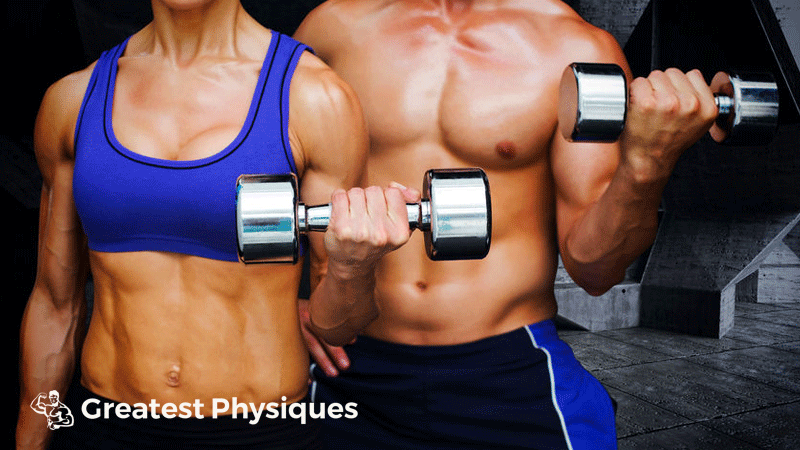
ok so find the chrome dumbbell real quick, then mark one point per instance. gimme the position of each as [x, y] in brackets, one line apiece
[594, 101]
[455, 215]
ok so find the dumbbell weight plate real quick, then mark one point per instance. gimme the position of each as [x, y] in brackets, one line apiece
[593, 102]
[266, 208]
[753, 118]
[460, 214]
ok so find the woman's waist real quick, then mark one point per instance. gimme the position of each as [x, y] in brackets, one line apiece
[195, 378]
[184, 350]
[163, 274]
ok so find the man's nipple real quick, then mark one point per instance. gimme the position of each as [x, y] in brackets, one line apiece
[506, 150]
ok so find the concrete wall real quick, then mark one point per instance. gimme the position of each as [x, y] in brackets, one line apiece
[618, 17]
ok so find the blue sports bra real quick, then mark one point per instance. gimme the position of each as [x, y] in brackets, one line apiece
[131, 202]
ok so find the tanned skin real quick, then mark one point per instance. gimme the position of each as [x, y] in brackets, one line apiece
[475, 83]
[178, 328]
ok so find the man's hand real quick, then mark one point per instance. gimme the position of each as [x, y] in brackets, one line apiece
[669, 112]
[330, 359]
[365, 225]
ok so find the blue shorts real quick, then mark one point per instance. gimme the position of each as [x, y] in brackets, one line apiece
[521, 389]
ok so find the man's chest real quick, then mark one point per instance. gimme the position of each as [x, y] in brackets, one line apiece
[482, 90]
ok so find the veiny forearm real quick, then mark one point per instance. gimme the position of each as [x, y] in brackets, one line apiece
[616, 229]
[341, 306]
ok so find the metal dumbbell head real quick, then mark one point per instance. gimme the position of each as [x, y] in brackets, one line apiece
[267, 226]
[455, 215]
[593, 105]
[748, 108]
[460, 214]
[593, 102]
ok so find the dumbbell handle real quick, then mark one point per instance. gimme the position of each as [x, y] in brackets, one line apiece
[316, 218]
[724, 104]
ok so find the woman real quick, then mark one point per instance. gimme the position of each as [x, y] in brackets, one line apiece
[139, 154]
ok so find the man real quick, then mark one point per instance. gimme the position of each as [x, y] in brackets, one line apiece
[464, 354]
[140, 153]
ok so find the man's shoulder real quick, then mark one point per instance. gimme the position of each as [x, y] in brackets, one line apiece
[351, 8]
[336, 23]
[566, 32]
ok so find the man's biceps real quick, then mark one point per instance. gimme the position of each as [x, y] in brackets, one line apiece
[583, 185]
[570, 194]
[567, 213]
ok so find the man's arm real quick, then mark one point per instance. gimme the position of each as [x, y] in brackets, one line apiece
[52, 325]
[607, 195]
[365, 224]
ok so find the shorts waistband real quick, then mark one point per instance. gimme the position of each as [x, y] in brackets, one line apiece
[509, 339]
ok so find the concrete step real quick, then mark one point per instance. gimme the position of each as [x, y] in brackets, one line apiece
[779, 276]
[617, 308]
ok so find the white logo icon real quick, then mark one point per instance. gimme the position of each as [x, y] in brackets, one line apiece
[57, 413]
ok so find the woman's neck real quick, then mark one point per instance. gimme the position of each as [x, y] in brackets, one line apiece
[183, 32]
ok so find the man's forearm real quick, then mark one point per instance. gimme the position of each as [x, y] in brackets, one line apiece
[616, 229]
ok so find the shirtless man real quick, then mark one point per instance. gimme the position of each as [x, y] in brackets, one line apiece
[464, 354]
[140, 153]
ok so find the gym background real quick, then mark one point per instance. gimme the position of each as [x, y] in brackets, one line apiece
[728, 240]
